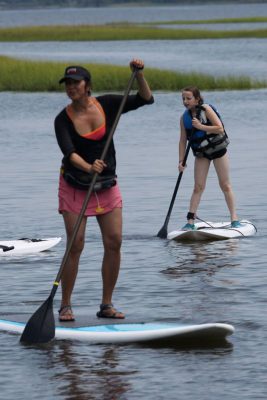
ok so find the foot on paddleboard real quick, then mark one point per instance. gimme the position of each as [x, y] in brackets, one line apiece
[108, 311]
[66, 314]
[236, 224]
[189, 227]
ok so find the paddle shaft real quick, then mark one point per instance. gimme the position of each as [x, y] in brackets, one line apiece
[163, 231]
[91, 187]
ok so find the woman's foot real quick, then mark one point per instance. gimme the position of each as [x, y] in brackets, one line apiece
[66, 314]
[109, 311]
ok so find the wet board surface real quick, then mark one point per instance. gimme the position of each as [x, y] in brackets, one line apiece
[107, 330]
[214, 231]
[21, 247]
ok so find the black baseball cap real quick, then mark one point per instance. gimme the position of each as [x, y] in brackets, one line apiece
[77, 73]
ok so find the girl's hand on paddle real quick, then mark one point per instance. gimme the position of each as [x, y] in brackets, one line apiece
[196, 123]
[181, 168]
[98, 166]
[137, 64]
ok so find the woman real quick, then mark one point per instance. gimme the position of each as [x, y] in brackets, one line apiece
[82, 129]
[201, 125]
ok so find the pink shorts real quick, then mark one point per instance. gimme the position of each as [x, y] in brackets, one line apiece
[102, 202]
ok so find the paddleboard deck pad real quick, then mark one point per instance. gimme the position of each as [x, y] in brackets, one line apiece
[108, 330]
[213, 231]
[26, 246]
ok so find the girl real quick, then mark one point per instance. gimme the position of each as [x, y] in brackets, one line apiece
[199, 124]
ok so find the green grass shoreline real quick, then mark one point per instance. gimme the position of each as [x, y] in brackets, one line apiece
[250, 20]
[35, 76]
[132, 31]
[117, 32]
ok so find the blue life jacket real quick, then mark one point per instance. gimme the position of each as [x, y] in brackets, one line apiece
[211, 145]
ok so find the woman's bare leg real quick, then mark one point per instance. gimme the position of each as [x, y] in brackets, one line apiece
[71, 267]
[111, 229]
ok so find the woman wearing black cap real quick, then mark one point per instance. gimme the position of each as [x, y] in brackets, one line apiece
[82, 129]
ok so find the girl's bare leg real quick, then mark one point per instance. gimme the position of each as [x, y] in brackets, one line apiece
[222, 168]
[201, 170]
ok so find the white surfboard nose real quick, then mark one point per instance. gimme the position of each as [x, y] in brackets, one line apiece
[21, 247]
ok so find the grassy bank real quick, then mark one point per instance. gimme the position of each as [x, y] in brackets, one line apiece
[117, 32]
[248, 20]
[33, 76]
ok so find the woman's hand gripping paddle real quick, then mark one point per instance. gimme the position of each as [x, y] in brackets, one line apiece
[163, 231]
[41, 326]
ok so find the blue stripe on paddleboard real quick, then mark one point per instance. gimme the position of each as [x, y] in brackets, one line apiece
[5, 321]
[122, 327]
[108, 328]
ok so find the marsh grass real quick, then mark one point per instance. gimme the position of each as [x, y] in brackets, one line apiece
[211, 21]
[117, 32]
[35, 76]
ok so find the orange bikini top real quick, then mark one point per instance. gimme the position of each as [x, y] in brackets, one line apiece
[99, 132]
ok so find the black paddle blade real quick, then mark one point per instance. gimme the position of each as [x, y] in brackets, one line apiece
[162, 234]
[41, 326]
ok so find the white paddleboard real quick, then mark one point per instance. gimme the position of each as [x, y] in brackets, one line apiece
[110, 331]
[22, 247]
[214, 231]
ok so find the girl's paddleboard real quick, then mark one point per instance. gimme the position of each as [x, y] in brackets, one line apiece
[23, 247]
[214, 231]
[110, 331]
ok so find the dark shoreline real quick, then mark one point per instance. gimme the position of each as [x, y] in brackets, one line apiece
[46, 4]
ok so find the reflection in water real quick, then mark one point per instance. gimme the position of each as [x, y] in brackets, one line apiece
[88, 375]
[208, 257]
[83, 372]
[219, 347]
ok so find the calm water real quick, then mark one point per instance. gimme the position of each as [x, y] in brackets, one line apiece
[209, 282]
[101, 15]
[206, 56]
[218, 281]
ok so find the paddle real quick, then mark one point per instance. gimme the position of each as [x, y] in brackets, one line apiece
[163, 231]
[41, 326]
